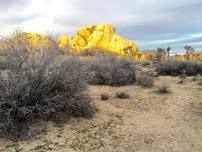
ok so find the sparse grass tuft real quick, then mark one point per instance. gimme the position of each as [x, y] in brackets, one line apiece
[122, 95]
[104, 96]
[197, 77]
[163, 88]
[183, 75]
[181, 81]
[200, 81]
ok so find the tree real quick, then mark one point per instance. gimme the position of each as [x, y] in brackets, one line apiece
[189, 51]
[168, 51]
[160, 53]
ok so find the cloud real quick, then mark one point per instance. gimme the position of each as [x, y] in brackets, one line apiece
[7, 4]
[153, 23]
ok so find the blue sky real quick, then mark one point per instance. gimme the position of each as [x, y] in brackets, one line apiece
[150, 23]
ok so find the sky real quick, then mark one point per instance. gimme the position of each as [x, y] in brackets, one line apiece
[150, 23]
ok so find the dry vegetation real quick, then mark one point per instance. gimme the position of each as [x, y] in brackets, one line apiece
[122, 95]
[176, 68]
[104, 96]
[35, 86]
[145, 80]
[109, 70]
[40, 90]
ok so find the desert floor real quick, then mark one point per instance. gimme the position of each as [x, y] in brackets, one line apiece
[147, 122]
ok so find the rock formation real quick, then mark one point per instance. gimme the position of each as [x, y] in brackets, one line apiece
[101, 37]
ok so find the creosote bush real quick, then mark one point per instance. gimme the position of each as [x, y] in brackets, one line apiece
[36, 86]
[122, 95]
[109, 70]
[178, 68]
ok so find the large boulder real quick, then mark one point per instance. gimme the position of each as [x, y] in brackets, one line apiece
[102, 37]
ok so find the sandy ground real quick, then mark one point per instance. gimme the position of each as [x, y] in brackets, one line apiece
[147, 122]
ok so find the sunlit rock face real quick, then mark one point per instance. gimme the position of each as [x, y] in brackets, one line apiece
[65, 41]
[27, 42]
[102, 37]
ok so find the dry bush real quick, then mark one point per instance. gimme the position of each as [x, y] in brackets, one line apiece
[146, 64]
[163, 88]
[122, 95]
[37, 86]
[200, 82]
[183, 75]
[104, 96]
[92, 52]
[176, 68]
[145, 80]
[110, 70]
[199, 79]
[181, 81]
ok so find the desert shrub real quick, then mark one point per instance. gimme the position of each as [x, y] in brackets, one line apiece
[181, 81]
[122, 95]
[104, 96]
[110, 70]
[197, 77]
[93, 52]
[86, 53]
[194, 78]
[183, 74]
[145, 63]
[163, 88]
[145, 80]
[37, 86]
[199, 80]
[154, 74]
[175, 68]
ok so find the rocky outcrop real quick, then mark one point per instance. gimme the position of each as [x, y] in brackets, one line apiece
[102, 37]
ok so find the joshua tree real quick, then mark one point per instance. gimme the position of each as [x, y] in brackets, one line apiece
[189, 51]
[160, 53]
[168, 51]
